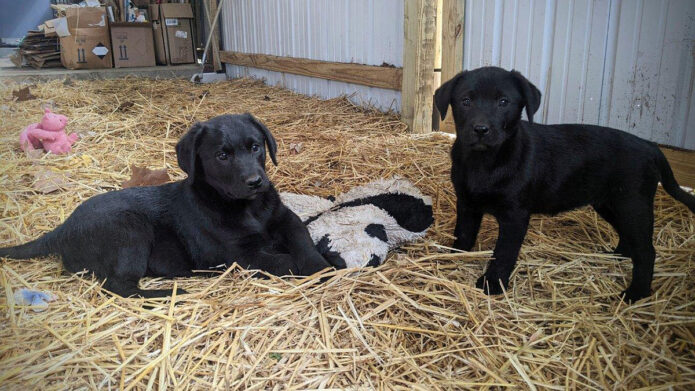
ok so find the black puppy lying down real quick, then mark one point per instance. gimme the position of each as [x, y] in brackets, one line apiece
[511, 168]
[225, 211]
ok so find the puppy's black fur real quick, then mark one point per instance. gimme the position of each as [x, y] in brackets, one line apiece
[225, 211]
[511, 168]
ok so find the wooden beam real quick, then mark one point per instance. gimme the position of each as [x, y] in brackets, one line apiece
[419, 28]
[452, 48]
[368, 75]
[682, 164]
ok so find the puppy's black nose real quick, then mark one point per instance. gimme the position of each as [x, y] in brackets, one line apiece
[254, 182]
[481, 130]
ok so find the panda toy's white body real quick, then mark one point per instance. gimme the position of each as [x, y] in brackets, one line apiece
[359, 227]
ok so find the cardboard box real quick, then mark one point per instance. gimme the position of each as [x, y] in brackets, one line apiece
[153, 12]
[176, 21]
[48, 27]
[160, 52]
[133, 45]
[85, 43]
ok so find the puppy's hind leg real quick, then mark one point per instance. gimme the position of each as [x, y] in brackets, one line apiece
[607, 214]
[636, 219]
[129, 266]
[129, 288]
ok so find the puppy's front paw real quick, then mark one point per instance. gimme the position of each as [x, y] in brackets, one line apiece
[631, 294]
[284, 267]
[491, 285]
[461, 244]
[315, 264]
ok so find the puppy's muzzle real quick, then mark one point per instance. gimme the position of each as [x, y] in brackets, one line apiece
[481, 130]
[254, 182]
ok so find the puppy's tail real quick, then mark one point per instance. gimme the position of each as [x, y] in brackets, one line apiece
[671, 186]
[36, 248]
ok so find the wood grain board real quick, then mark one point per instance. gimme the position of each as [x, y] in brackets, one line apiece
[368, 75]
[419, 27]
[682, 164]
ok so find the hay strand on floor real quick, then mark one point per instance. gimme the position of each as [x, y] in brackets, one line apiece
[417, 322]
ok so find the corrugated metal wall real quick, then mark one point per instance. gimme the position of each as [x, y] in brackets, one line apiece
[626, 64]
[361, 31]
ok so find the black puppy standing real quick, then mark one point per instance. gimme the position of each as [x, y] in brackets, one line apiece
[225, 211]
[511, 168]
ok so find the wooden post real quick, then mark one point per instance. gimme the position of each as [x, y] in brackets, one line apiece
[418, 64]
[214, 51]
[452, 48]
[438, 46]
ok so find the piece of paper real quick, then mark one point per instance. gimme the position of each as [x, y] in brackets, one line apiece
[37, 300]
[61, 27]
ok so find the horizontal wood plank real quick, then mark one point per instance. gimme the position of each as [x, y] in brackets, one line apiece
[368, 75]
[682, 164]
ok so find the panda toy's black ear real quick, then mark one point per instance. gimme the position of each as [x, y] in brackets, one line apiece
[377, 231]
[323, 246]
[411, 213]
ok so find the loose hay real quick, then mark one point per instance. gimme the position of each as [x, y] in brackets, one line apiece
[414, 323]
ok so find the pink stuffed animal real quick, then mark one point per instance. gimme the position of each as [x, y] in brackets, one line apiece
[48, 134]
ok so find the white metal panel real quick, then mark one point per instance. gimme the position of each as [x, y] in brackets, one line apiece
[360, 31]
[653, 70]
[621, 63]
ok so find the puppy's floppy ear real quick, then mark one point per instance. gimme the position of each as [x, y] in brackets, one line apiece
[442, 97]
[269, 139]
[531, 94]
[187, 148]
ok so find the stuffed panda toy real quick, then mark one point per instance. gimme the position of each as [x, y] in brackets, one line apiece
[358, 228]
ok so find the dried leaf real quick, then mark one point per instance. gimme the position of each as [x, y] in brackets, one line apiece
[296, 148]
[125, 106]
[23, 94]
[46, 181]
[143, 176]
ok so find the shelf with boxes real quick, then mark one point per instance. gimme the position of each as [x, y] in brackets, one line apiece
[120, 34]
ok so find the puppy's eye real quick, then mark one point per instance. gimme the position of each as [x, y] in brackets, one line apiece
[221, 155]
[255, 148]
[503, 102]
[466, 101]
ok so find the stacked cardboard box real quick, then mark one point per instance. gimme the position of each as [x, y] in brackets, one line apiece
[91, 37]
[172, 24]
[84, 39]
[38, 50]
[133, 45]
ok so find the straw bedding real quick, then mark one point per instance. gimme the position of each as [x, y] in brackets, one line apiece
[414, 323]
